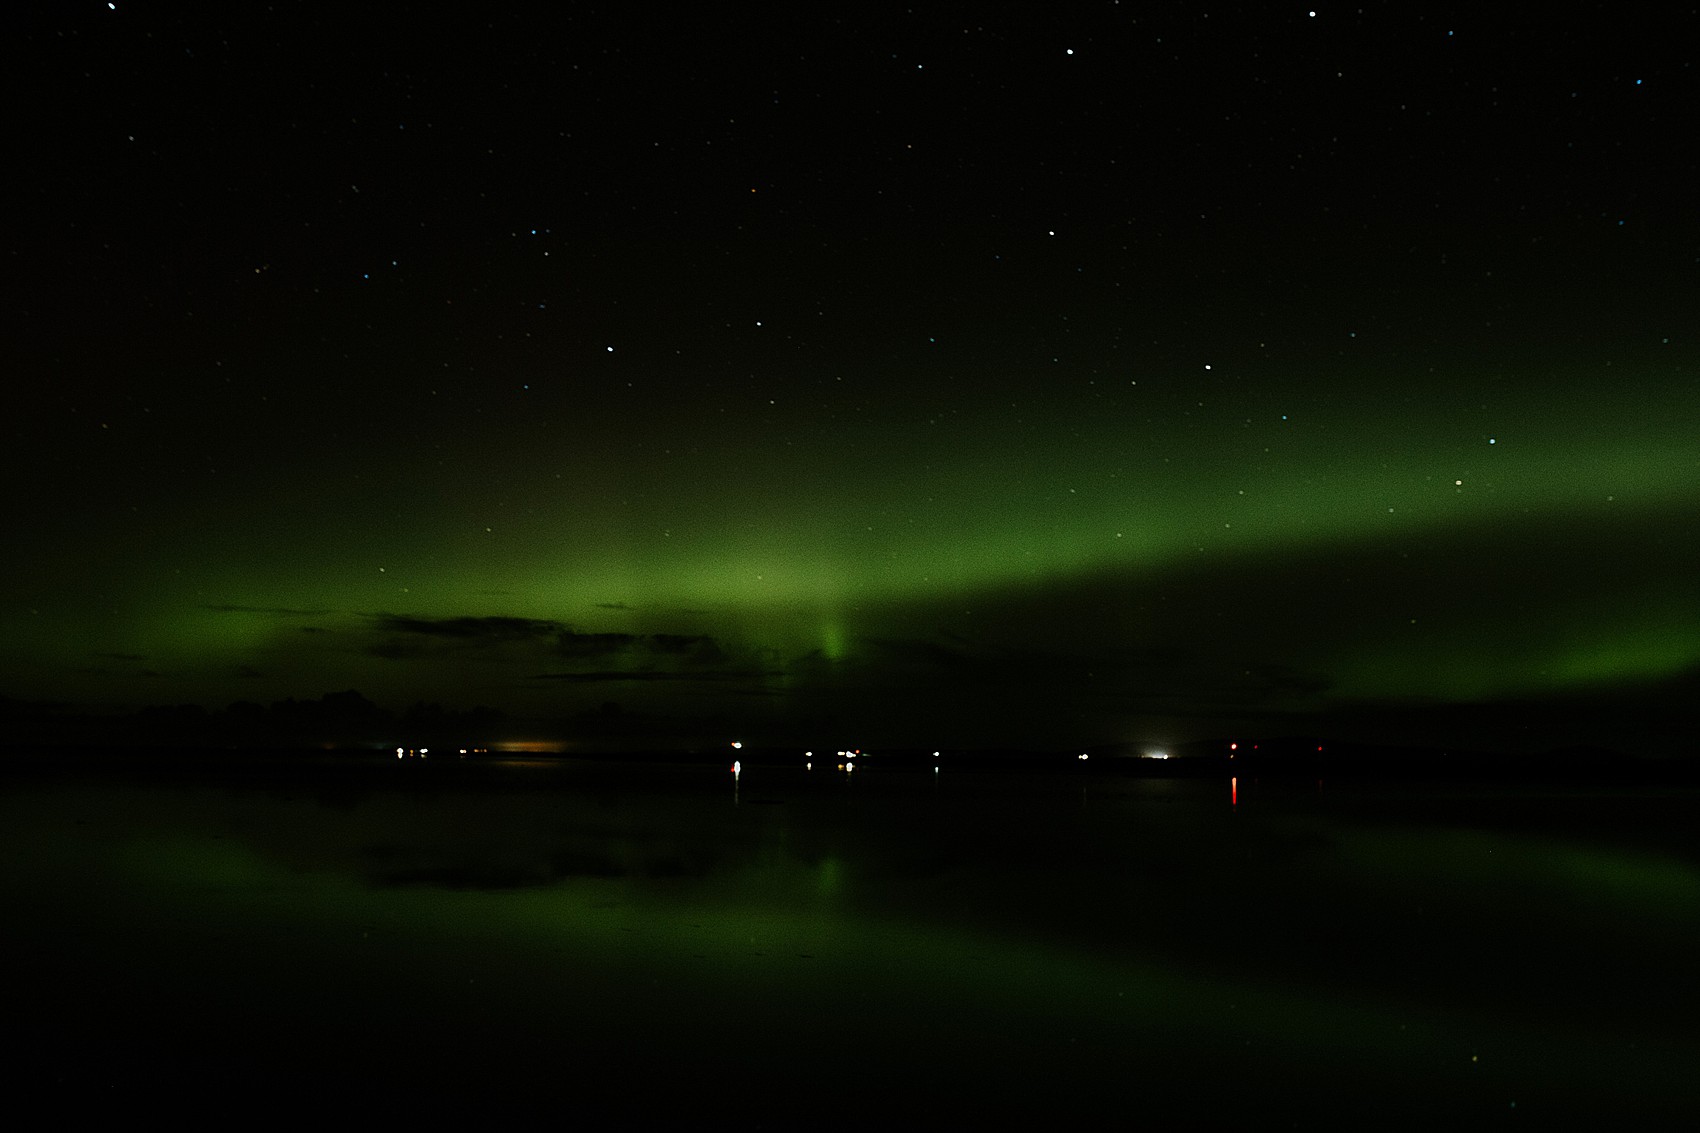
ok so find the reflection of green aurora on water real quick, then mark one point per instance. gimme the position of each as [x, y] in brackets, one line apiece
[545, 933]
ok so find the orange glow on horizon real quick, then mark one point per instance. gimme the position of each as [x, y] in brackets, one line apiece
[527, 747]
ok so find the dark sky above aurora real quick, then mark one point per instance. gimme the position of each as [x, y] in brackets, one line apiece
[966, 374]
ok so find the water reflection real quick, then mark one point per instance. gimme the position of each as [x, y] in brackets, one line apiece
[969, 924]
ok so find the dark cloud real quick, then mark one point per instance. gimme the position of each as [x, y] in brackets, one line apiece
[410, 638]
[667, 648]
[482, 629]
[413, 638]
[579, 646]
[122, 656]
[397, 649]
[586, 658]
[693, 649]
[653, 675]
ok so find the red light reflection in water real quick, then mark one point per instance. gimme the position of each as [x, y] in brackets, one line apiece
[1234, 790]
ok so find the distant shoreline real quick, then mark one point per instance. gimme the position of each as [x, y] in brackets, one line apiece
[1279, 759]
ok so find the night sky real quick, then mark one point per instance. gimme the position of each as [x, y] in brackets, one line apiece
[968, 374]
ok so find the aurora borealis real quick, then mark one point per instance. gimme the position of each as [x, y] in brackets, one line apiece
[921, 376]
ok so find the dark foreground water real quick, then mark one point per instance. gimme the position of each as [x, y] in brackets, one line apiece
[569, 941]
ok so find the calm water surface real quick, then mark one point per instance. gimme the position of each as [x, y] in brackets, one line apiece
[581, 939]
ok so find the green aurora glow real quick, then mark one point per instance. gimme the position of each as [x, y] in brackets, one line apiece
[1451, 563]
[1031, 402]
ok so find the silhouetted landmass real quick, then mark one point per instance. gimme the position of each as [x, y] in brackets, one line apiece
[347, 721]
